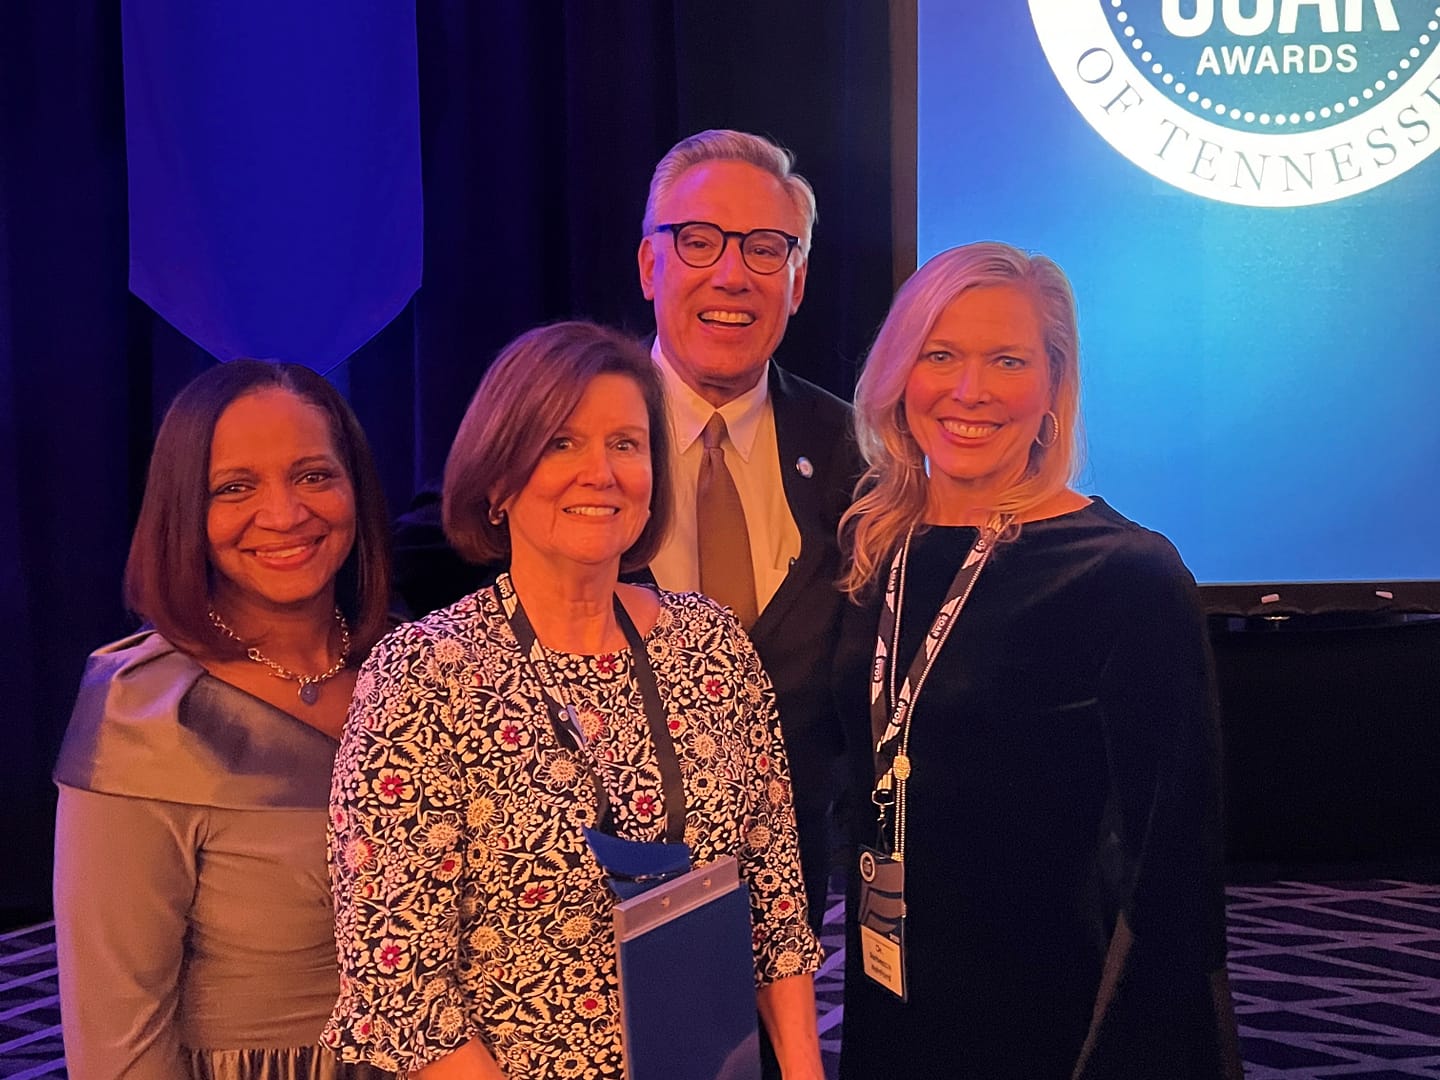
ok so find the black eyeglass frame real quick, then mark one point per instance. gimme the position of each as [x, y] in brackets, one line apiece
[674, 228]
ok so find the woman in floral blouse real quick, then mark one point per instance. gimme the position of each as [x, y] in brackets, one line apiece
[473, 923]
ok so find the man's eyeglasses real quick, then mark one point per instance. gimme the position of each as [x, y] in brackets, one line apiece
[700, 244]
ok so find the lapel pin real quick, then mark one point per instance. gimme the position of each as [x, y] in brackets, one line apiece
[804, 468]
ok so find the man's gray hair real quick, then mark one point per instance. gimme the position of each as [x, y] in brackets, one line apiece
[722, 144]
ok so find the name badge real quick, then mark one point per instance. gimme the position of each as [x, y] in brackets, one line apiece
[882, 920]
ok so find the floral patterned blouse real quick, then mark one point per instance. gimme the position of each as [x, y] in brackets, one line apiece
[467, 902]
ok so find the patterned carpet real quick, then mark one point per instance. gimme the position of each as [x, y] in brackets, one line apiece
[1330, 980]
[1337, 980]
[30, 1004]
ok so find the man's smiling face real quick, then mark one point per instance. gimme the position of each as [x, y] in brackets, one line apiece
[719, 325]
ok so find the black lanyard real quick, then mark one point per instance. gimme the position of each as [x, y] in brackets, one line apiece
[890, 713]
[566, 723]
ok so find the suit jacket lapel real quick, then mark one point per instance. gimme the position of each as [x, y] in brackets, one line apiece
[797, 445]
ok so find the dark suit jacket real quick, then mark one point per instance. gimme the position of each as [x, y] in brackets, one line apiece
[797, 632]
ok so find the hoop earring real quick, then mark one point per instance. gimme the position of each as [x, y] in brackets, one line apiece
[1045, 444]
[497, 516]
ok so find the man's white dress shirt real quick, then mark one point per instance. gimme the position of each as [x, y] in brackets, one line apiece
[752, 456]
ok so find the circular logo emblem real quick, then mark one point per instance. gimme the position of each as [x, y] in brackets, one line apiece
[1256, 102]
[867, 866]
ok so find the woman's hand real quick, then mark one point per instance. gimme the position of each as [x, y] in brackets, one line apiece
[787, 1007]
[470, 1062]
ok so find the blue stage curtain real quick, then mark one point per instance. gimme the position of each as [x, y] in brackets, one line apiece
[274, 171]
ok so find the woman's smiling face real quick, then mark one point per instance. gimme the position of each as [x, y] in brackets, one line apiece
[588, 498]
[281, 517]
[977, 395]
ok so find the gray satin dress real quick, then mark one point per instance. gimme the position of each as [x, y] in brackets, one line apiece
[192, 902]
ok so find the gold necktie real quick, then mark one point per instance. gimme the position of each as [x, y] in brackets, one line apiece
[726, 573]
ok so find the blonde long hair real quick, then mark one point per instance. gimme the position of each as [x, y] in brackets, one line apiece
[890, 497]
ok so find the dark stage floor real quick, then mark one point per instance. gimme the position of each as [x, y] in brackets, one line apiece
[1330, 980]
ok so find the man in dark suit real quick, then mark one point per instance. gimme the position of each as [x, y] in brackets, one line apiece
[724, 257]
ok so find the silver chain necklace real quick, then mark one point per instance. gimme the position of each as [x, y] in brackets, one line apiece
[309, 684]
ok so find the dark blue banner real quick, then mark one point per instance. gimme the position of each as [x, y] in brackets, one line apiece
[274, 168]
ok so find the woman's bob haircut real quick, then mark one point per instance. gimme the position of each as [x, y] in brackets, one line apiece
[168, 574]
[523, 400]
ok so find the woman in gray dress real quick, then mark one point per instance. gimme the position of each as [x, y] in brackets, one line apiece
[192, 903]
